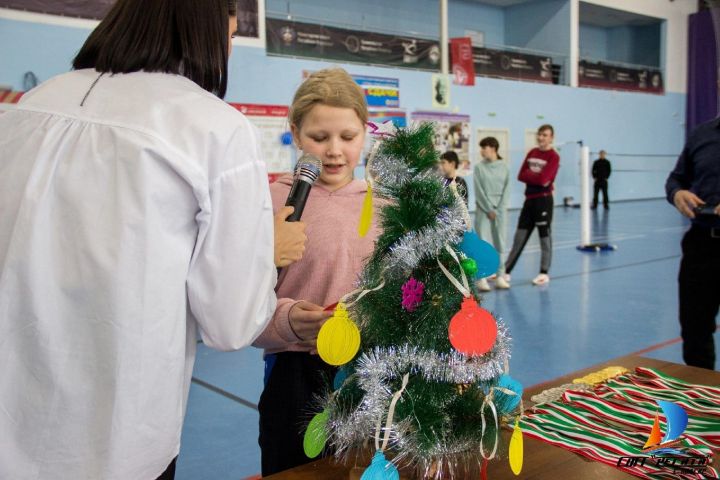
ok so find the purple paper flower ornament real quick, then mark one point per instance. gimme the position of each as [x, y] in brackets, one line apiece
[412, 293]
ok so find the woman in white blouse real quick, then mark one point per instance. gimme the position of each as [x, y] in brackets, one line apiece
[134, 212]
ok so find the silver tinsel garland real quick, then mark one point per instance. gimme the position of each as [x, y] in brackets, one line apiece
[390, 174]
[374, 371]
[413, 247]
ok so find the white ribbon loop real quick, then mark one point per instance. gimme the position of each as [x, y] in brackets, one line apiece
[391, 413]
[463, 288]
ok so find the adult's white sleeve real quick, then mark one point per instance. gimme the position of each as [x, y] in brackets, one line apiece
[232, 273]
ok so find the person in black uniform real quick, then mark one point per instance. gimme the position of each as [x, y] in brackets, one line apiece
[694, 190]
[601, 172]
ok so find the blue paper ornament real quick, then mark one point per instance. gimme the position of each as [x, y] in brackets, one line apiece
[340, 378]
[485, 256]
[286, 138]
[380, 469]
[509, 383]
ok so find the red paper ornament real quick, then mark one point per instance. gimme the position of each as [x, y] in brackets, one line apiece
[473, 329]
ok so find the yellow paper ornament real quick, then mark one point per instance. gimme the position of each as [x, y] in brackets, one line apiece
[339, 338]
[366, 215]
[516, 449]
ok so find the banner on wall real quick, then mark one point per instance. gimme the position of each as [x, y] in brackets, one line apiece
[297, 39]
[461, 54]
[92, 9]
[512, 65]
[97, 9]
[452, 132]
[611, 77]
[271, 122]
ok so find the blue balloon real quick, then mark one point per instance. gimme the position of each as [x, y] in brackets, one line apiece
[380, 469]
[340, 378]
[509, 383]
[286, 138]
[484, 254]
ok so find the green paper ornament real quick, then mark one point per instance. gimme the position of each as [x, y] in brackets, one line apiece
[315, 435]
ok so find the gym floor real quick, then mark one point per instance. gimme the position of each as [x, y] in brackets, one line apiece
[597, 306]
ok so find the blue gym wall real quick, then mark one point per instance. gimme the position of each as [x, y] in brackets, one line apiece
[621, 123]
[539, 25]
[639, 45]
[593, 42]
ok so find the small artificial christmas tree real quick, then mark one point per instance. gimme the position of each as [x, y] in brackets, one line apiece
[428, 383]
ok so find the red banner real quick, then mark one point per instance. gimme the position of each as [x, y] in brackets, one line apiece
[461, 55]
[7, 96]
[254, 110]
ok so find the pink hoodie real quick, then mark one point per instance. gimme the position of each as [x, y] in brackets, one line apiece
[333, 259]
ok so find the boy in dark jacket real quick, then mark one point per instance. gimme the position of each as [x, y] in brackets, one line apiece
[449, 163]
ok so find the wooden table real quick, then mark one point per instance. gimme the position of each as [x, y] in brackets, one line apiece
[541, 460]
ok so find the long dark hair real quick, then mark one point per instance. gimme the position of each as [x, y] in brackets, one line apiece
[492, 143]
[185, 37]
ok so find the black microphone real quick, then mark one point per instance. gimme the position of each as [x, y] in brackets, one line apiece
[307, 171]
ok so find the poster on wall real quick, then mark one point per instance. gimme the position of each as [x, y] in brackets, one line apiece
[379, 91]
[611, 77]
[378, 116]
[248, 19]
[271, 122]
[452, 132]
[381, 115]
[440, 91]
[502, 135]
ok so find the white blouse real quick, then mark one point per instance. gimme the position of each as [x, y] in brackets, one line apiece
[127, 224]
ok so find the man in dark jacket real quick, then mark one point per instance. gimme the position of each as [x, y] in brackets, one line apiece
[601, 172]
[694, 190]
